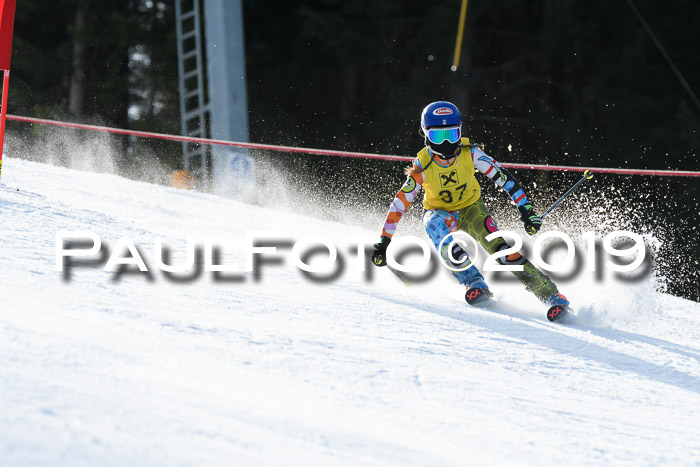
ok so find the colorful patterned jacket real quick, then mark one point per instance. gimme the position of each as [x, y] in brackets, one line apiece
[450, 185]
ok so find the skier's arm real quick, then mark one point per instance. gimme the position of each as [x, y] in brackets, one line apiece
[403, 199]
[501, 176]
[505, 180]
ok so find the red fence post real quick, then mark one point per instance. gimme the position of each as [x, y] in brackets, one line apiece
[7, 22]
[3, 112]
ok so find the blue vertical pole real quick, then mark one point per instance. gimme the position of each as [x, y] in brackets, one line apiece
[228, 101]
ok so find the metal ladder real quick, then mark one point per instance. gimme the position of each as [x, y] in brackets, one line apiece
[194, 105]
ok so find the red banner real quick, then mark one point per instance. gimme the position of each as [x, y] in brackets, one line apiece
[7, 22]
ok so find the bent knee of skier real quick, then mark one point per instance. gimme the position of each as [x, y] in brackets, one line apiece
[510, 259]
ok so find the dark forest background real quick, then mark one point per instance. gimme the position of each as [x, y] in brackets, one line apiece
[569, 82]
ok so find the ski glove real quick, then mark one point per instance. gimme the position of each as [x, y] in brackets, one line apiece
[532, 221]
[379, 254]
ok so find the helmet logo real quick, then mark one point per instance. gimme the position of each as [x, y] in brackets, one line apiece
[443, 111]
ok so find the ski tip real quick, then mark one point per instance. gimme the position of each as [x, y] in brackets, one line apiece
[477, 295]
[556, 312]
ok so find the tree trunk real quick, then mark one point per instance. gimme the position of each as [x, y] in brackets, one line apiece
[76, 96]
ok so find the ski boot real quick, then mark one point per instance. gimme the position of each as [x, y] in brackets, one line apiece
[477, 291]
[558, 306]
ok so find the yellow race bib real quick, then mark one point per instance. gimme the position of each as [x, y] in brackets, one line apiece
[453, 187]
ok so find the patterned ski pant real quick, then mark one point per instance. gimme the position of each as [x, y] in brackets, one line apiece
[476, 220]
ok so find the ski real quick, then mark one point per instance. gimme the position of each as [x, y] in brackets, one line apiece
[477, 295]
[556, 312]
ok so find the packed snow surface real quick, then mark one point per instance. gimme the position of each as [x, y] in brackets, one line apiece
[98, 368]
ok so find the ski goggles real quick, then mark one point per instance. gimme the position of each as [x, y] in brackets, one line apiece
[439, 134]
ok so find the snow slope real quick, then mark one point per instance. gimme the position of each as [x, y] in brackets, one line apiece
[104, 369]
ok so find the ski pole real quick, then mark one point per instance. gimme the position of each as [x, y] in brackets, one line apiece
[587, 175]
[406, 281]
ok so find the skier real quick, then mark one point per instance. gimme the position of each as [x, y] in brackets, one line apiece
[445, 169]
